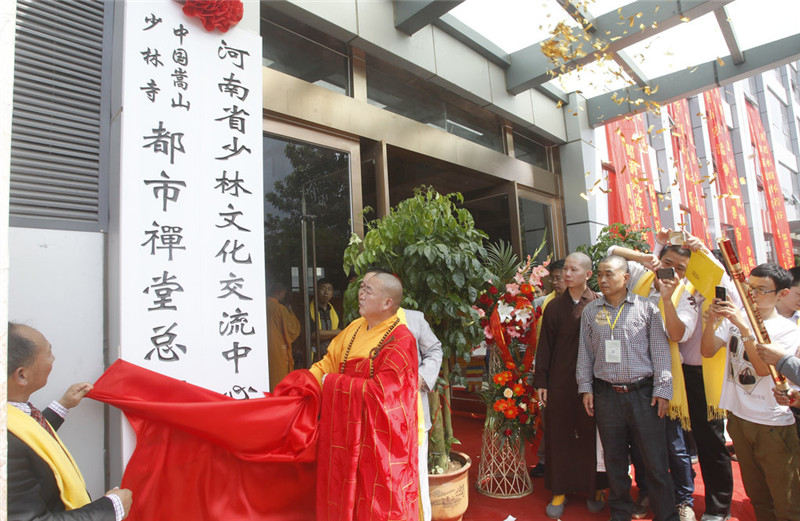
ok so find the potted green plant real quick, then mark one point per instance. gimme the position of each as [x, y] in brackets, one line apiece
[616, 234]
[435, 249]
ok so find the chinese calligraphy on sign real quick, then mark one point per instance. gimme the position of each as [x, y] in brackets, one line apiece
[191, 253]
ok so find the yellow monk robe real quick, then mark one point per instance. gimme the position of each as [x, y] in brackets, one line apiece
[53, 451]
[283, 328]
[704, 275]
[368, 442]
[679, 405]
[334, 317]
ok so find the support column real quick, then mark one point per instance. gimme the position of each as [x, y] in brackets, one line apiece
[581, 167]
[666, 173]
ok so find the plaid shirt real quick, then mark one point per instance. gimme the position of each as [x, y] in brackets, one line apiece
[644, 345]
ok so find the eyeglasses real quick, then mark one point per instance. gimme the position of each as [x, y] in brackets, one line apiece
[761, 291]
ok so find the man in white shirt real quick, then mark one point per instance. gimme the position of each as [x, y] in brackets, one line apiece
[762, 431]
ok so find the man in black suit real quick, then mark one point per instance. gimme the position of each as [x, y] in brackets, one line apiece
[35, 453]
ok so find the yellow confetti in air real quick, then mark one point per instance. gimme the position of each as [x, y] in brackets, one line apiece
[584, 196]
[605, 191]
[685, 19]
[721, 62]
[559, 104]
[742, 181]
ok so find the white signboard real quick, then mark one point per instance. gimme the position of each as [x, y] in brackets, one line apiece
[193, 302]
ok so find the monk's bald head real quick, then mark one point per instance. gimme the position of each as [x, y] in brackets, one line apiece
[580, 259]
[392, 288]
[379, 297]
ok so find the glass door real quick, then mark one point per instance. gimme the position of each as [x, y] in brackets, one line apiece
[308, 211]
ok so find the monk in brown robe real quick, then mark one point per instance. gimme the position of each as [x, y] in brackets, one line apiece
[569, 433]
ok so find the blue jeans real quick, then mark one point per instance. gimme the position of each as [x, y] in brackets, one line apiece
[623, 416]
[680, 465]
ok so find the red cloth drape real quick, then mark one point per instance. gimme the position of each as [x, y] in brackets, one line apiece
[632, 197]
[727, 178]
[204, 456]
[688, 168]
[368, 447]
[772, 190]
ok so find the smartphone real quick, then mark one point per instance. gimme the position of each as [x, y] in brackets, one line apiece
[665, 273]
[721, 293]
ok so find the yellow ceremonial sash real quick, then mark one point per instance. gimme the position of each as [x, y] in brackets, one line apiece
[713, 369]
[334, 317]
[679, 405]
[401, 314]
[54, 453]
[704, 275]
[550, 296]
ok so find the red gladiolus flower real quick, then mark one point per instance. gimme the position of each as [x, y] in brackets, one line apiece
[493, 290]
[484, 322]
[507, 432]
[215, 14]
[523, 418]
[508, 298]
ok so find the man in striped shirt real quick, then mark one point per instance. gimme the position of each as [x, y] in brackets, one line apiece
[623, 373]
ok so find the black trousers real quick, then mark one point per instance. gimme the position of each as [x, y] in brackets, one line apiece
[709, 436]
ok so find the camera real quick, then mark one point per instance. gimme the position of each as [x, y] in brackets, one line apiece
[665, 273]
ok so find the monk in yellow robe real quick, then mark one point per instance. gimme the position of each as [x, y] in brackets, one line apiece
[367, 458]
[283, 328]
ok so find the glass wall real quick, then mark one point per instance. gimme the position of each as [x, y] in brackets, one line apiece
[299, 52]
[536, 226]
[407, 95]
[528, 150]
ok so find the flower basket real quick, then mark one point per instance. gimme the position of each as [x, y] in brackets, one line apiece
[503, 471]
[509, 321]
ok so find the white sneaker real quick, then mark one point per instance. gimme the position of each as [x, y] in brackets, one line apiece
[685, 513]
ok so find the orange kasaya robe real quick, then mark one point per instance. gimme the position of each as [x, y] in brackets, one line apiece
[367, 457]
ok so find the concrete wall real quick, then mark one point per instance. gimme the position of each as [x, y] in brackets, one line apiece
[56, 285]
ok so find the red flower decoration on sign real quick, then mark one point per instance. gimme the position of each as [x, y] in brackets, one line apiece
[215, 14]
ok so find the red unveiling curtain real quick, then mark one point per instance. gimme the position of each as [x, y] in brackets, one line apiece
[686, 164]
[727, 178]
[772, 190]
[204, 456]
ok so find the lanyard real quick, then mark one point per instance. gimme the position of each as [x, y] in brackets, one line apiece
[615, 320]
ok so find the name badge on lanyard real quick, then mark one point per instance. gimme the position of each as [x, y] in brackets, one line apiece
[613, 347]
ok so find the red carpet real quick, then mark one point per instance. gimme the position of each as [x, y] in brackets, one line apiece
[468, 428]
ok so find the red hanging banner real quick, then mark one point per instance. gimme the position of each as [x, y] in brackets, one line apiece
[686, 164]
[632, 195]
[727, 179]
[772, 190]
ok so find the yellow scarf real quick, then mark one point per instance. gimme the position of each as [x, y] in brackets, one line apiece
[550, 296]
[713, 369]
[54, 453]
[704, 274]
[679, 405]
[401, 314]
[334, 317]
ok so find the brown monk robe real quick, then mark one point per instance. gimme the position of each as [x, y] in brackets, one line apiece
[569, 433]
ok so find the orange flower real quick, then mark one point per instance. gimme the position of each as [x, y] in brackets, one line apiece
[510, 365]
[519, 389]
[502, 378]
[511, 412]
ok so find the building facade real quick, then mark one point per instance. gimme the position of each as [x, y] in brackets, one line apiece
[357, 111]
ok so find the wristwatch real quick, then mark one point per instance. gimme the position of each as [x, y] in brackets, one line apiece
[749, 338]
